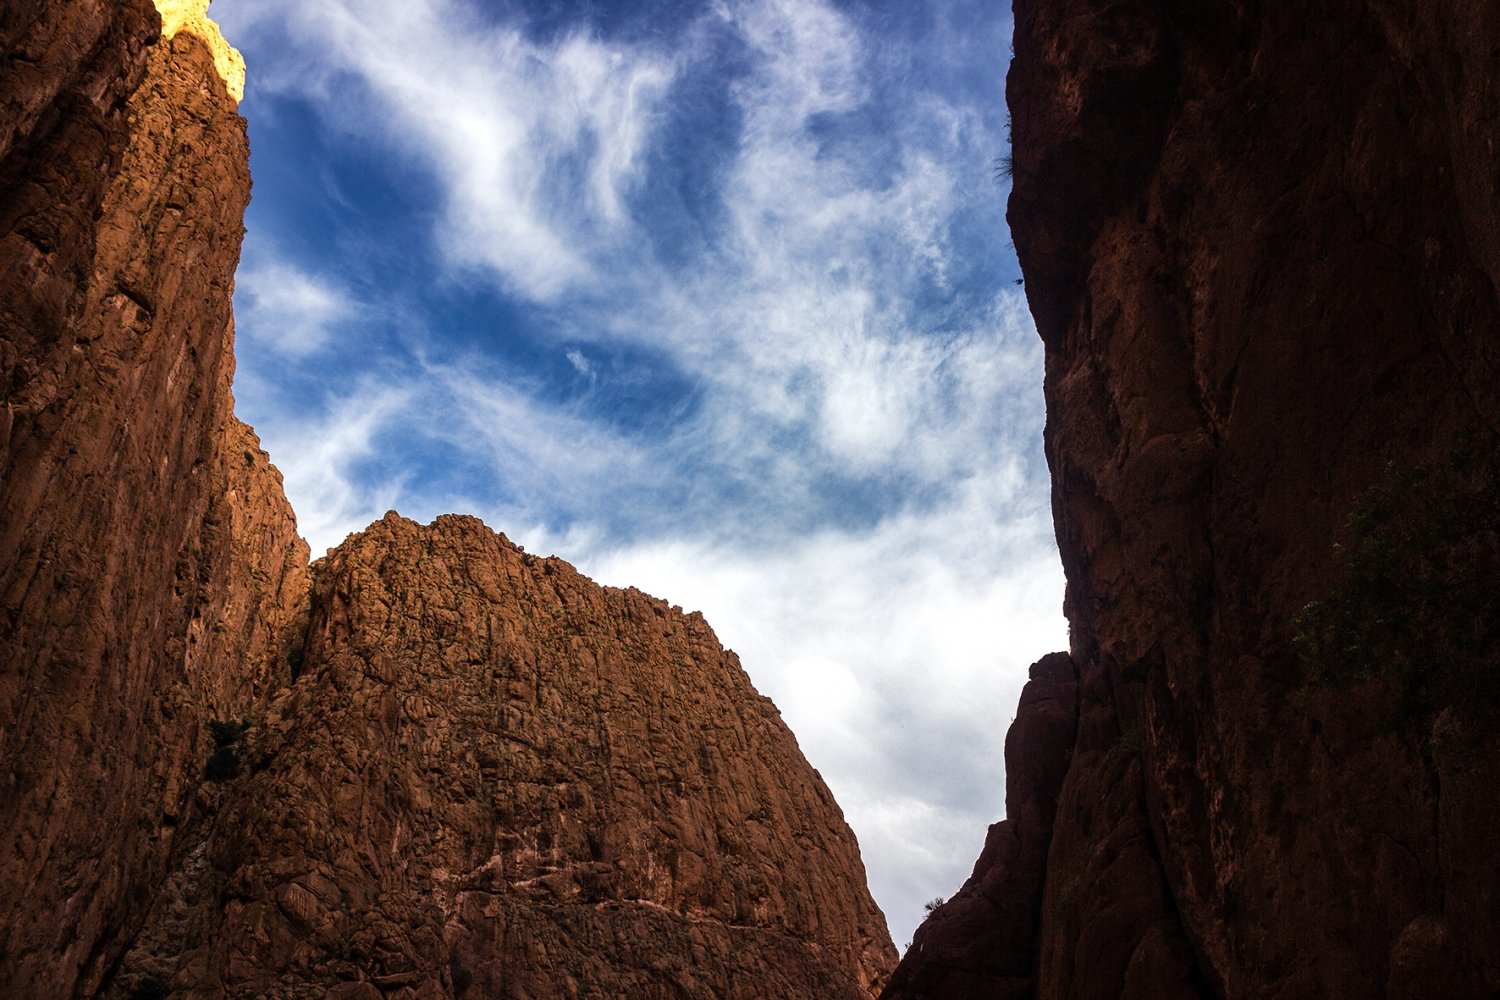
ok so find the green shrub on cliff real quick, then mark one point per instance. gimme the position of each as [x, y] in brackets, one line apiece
[1418, 589]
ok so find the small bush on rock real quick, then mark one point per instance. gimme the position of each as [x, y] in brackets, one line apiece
[224, 763]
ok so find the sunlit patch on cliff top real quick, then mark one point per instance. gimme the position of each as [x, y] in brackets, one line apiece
[191, 16]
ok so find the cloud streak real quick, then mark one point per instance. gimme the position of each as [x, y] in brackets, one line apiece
[290, 311]
[531, 144]
[718, 309]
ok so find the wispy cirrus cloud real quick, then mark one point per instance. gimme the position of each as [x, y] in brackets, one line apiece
[717, 306]
[320, 454]
[531, 143]
[289, 310]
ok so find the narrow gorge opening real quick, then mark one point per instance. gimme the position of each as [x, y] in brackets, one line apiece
[718, 304]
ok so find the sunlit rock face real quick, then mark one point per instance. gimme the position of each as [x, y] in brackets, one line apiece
[428, 766]
[191, 17]
[1262, 247]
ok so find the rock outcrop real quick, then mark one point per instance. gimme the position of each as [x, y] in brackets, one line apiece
[191, 17]
[430, 766]
[497, 779]
[1262, 246]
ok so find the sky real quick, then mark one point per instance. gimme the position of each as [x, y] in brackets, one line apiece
[713, 298]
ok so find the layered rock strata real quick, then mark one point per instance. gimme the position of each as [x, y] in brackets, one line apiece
[1262, 247]
[436, 767]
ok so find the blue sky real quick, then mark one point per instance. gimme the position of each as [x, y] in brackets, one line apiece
[710, 298]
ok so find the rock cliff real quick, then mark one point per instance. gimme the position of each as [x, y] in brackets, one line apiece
[131, 495]
[496, 778]
[428, 766]
[1262, 246]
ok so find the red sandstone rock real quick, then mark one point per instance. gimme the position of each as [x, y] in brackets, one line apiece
[495, 778]
[149, 564]
[70, 63]
[1262, 245]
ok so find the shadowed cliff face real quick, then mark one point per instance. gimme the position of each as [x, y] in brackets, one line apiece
[431, 767]
[982, 941]
[1262, 245]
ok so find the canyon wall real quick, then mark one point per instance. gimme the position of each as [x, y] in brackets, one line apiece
[131, 497]
[1262, 246]
[429, 765]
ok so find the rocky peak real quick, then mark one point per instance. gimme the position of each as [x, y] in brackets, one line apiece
[495, 778]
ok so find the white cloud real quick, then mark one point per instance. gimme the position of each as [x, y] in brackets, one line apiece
[506, 124]
[811, 58]
[581, 363]
[318, 462]
[289, 310]
[569, 463]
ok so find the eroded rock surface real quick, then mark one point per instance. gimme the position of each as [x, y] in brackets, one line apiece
[497, 779]
[1262, 246]
[150, 570]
